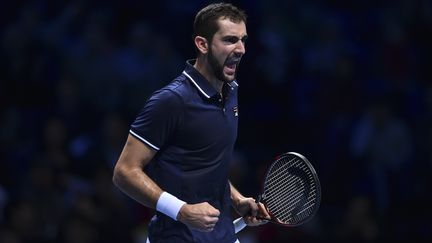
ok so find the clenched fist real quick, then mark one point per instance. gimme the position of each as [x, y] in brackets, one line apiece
[200, 216]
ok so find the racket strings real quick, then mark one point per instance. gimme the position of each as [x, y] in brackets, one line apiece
[284, 208]
[292, 185]
[286, 199]
[299, 206]
[290, 197]
[281, 171]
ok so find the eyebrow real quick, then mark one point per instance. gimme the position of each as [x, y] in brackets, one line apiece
[227, 37]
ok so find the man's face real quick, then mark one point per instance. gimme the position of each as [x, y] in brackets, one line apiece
[226, 49]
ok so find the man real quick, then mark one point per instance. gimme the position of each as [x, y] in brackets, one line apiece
[177, 155]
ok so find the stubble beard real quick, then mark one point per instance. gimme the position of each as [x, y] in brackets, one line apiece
[217, 68]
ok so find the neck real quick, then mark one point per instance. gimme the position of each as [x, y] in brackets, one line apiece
[203, 67]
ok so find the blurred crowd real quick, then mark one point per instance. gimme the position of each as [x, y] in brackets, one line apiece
[346, 83]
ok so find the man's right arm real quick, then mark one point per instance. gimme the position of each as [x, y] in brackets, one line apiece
[133, 181]
[130, 177]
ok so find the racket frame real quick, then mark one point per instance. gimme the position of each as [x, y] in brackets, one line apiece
[261, 197]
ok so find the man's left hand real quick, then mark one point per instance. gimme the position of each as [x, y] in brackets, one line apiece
[253, 213]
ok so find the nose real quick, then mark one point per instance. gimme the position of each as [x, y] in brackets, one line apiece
[240, 48]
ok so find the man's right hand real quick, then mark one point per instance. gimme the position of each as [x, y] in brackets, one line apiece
[200, 216]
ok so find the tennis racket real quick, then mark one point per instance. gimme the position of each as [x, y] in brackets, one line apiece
[291, 191]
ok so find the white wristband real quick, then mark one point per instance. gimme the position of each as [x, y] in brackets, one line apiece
[169, 205]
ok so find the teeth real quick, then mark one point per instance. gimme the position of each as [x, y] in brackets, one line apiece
[233, 62]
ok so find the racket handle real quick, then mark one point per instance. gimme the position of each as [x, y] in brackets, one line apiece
[239, 224]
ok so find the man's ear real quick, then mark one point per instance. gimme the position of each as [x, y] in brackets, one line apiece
[202, 44]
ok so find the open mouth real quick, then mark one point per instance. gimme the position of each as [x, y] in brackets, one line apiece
[231, 65]
[231, 68]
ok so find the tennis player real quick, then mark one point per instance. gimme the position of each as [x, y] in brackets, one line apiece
[176, 157]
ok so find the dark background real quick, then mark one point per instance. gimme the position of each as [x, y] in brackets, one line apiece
[345, 83]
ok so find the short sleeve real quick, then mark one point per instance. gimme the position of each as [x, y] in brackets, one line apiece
[159, 119]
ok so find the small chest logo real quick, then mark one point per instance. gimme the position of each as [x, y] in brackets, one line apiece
[235, 109]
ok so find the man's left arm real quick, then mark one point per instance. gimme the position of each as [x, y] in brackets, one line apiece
[253, 213]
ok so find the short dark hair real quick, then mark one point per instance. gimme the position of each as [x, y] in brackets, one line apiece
[205, 23]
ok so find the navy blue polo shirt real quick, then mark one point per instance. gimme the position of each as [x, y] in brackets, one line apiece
[193, 129]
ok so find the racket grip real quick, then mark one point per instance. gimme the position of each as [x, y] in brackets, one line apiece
[239, 224]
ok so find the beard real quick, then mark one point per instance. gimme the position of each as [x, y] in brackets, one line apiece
[217, 68]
